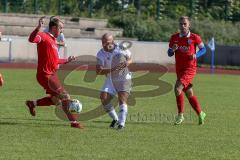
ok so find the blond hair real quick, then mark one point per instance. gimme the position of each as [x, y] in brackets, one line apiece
[184, 17]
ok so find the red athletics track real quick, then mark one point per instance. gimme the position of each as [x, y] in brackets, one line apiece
[134, 67]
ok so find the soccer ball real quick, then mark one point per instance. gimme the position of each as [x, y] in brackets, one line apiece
[75, 106]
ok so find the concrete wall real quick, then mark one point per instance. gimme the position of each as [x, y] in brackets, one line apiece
[23, 24]
[29, 20]
[150, 52]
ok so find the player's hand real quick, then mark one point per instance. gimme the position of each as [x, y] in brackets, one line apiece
[71, 58]
[41, 22]
[1, 80]
[174, 47]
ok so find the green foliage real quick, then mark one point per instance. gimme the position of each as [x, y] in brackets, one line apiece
[225, 33]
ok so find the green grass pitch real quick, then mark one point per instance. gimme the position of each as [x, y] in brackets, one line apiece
[149, 134]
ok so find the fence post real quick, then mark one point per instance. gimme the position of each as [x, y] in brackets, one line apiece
[10, 50]
[158, 9]
[90, 7]
[59, 7]
[35, 7]
[5, 6]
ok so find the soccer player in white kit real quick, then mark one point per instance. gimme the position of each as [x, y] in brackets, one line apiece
[113, 61]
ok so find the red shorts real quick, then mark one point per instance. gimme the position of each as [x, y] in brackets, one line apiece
[186, 78]
[51, 84]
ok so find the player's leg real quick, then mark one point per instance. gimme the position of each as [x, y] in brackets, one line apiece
[45, 101]
[32, 104]
[122, 116]
[62, 99]
[106, 98]
[195, 104]
[180, 102]
[107, 93]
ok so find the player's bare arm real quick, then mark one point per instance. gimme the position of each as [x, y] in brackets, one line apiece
[41, 22]
[34, 37]
[61, 43]
[100, 70]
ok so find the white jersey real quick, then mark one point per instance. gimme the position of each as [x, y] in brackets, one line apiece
[110, 59]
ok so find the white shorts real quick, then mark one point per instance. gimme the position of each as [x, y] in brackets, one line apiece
[112, 89]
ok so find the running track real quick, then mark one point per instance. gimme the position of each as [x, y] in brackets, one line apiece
[134, 67]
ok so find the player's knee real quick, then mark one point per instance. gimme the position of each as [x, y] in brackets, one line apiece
[61, 99]
[122, 101]
[178, 91]
[189, 93]
[104, 99]
[56, 100]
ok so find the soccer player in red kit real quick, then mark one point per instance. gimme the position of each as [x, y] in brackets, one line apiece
[183, 45]
[48, 62]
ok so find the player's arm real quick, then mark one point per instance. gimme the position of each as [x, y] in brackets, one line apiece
[128, 57]
[100, 70]
[172, 48]
[34, 36]
[61, 42]
[202, 50]
[65, 61]
[1, 80]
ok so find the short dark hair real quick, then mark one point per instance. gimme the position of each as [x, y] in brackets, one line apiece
[54, 21]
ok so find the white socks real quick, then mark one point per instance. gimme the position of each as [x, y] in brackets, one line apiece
[122, 116]
[113, 114]
[111, 111]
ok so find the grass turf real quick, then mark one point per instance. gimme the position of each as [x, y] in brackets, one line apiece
[150, 133]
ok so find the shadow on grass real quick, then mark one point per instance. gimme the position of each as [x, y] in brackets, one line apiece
[30, 122]
[145, 123]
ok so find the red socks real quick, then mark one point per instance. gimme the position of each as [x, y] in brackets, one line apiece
[195, 104]
[46, 101]
[180, 103]
[71, 117]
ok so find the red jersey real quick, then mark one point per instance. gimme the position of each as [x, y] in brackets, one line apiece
[186, 48]
[47, 49]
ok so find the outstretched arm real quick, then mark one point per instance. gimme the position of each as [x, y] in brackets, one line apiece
[64, 61]
[34, 37]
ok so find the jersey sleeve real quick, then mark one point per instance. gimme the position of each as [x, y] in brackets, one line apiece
[171, 42]
[36, 37]
[61, 37]
[62, 61]
[128, 54]
[198, 42]
[100, 59]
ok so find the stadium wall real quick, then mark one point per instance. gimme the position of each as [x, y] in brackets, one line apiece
[146, 52]
[143, 52]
